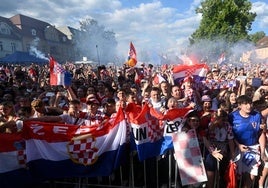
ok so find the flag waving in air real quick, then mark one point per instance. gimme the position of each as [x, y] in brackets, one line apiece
[58, 75]
[158, 78]
[197, 71]
[221, 59]
[132, 56]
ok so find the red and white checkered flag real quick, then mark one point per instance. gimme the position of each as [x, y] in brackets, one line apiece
[82, 150]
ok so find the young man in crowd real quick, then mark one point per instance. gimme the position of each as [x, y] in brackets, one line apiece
[249, 138]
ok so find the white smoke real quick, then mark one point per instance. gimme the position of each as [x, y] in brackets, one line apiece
[34, 51]
[211, 50]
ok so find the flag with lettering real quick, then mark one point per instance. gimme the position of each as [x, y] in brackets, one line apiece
[172, 122]
[146, 135]
[58, 75]
[58, 150]
[148, 131]
[197, 72]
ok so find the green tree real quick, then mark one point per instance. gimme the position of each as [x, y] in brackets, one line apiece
[229, 20]
[96, 43]
[257, 36]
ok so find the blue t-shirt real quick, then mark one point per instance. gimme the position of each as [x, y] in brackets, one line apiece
[246, 130]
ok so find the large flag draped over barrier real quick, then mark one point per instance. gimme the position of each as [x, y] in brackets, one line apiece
[58, 150]
[58, 75]
[53, 150]
[13, 171]
[197, 71]
[11, 152]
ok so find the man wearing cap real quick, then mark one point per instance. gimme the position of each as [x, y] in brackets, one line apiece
[94, 115]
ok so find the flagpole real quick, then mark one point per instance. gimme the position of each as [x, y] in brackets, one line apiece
[98, 54]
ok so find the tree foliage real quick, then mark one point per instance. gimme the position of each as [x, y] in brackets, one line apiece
[96, 43]
[229, 20]
[257, 36]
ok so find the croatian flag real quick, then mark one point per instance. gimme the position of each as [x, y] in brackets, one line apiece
[148, 131]
[172, 122]
[132, 52]
[132, 56]
[146, 134]
[221, 59]
[60, 150]
[197, 72]
[58, 75]
[13, 171]
[158, 78]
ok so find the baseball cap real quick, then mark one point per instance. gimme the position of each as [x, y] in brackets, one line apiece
[206, 98]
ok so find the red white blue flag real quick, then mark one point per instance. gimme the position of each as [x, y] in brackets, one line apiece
[60, 150]
[132, 52]
[197, 72]
[221, 59]
[152, 136]
[58, 75]
[158, 78]
[53, 150]
[13, 169]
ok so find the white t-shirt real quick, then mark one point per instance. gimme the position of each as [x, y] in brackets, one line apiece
[72, 120]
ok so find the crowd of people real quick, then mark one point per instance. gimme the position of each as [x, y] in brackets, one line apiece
[230, 122]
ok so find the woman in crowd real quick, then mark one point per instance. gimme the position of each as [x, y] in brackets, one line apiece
[193, 122]
[7, 114]
[230, 98]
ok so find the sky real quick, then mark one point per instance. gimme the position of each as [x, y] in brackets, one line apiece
[162, 26]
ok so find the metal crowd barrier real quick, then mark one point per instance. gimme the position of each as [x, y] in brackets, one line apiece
[136, 174]
[147, 174]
